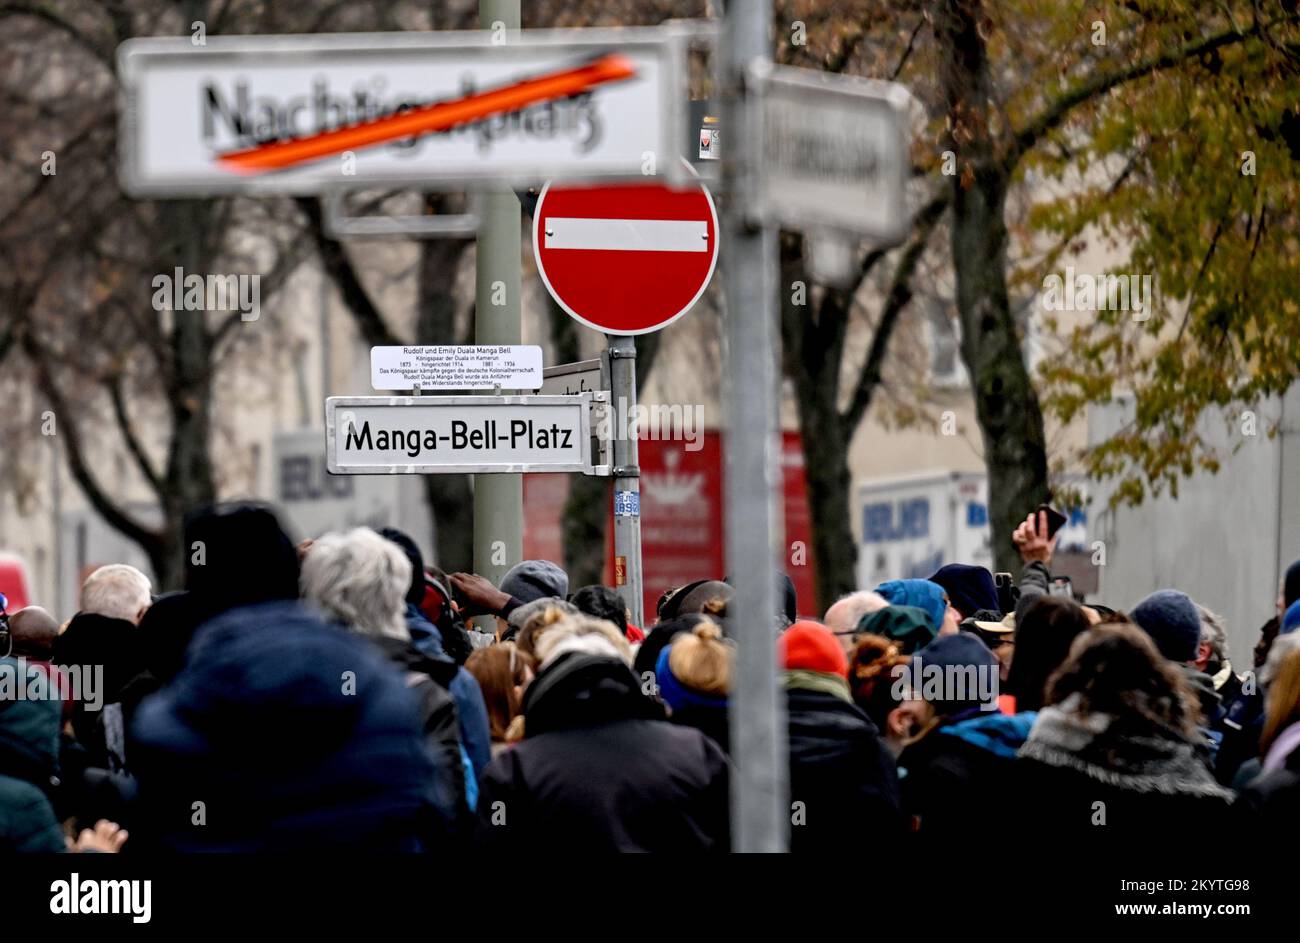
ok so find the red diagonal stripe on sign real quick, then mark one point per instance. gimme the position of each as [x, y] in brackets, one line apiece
[439, 116]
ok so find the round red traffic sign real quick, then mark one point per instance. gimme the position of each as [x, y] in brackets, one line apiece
[625, 258]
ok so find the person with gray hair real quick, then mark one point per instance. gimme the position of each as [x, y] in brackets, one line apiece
[117, 591]
[845, 613]
[359, 580]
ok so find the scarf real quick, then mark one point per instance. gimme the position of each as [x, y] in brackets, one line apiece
[1160, 762]
[800, 679]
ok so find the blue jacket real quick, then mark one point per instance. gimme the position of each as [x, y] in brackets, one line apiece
[471, 709]
[283, 734]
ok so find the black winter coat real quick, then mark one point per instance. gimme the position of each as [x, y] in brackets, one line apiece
[1272, 799]
[843, 783]
[600, 770]
[429, 678]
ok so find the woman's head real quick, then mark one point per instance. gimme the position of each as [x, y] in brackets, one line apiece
[699, 663]
[502, 672]
[1114, 668]
[875, 666]
[1044, 633]
[1281, 679]
[583, 635]
[359, 579]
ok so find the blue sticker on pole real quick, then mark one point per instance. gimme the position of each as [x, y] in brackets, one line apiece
[627, 504]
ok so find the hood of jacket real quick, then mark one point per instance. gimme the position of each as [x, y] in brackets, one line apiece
[272, 680]
[1095, 745]
[1000, 734]
[580, 690]
[29, 730]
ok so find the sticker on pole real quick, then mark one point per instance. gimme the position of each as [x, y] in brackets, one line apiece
[456, 367]
[626, 258]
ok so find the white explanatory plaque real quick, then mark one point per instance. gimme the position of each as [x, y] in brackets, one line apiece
[393, 435]
[184, 106]
[835, 153]
[456, 367]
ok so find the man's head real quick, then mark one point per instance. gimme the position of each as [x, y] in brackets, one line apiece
[238, 554]
[969, 588]
[33, 631]
[810, 646]
[1212, 650]
[535, 579]
[1173, 622]
[602, 602]
[414, 592]
[929, 596]
[360, 579]
[117, 591]
[958, 673]
[843, 616]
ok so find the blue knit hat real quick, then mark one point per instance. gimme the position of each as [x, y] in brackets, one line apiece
[920, 593]
[677, 695]
[1173, 622]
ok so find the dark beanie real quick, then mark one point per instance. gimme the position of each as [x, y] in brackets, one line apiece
[414, 592]
[1173, 622]
[960, 651]
[245, 557]
[1291, 586]
[969, 588]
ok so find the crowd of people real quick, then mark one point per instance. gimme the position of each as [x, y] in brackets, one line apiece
[336, 694]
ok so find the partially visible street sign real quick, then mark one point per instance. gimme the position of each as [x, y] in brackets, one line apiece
[626, 258]
[389, 435]
[305, 114]
[835, 153]
[582, 376]
[456, 367]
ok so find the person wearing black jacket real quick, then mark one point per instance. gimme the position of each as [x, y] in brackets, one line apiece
[359, 580]
[600, 769]
[843, 783]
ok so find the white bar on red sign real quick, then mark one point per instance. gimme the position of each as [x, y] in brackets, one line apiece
[628, 235]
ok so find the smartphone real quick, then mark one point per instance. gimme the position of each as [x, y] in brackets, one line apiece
[1055, 519]
[1061, 586]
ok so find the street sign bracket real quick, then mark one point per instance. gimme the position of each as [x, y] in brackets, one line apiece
[338, 224]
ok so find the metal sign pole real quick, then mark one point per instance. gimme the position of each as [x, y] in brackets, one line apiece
[757, 706]
[498, 499]
[627, 477]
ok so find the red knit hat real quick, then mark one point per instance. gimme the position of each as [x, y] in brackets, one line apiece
[811, 646]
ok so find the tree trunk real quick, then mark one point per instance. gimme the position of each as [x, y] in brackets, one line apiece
[189, 479]
[813, 353]
[1011, 421]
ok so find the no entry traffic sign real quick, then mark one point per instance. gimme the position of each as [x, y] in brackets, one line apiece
[626, 258]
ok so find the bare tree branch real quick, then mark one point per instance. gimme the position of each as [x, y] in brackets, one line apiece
[900, 293]
[133, 444]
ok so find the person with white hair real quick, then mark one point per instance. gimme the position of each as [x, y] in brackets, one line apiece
[359, 580]
[117, 591]
[845, 613]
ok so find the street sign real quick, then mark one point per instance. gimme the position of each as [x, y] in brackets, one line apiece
[390, 435]
[625, 258]
[457, 367]
[835, 153]
[306, 114]
[582, 376]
